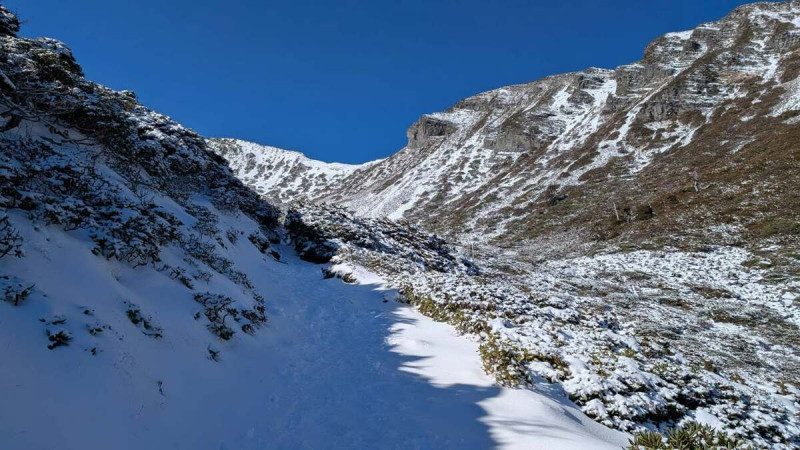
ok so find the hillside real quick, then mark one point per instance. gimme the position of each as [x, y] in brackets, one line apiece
[625, 260]
[280, 175]
[695, 140]
[639, 339]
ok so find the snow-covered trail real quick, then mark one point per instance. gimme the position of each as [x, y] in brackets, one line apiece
[336, 367]
[405, 381]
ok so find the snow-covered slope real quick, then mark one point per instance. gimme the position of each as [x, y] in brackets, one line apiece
[634, 231]
[337, 366]
[499, 163]
[281, 175]
[639, 339]
[149, 299]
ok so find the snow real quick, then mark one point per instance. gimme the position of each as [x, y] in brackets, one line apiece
[596, 314]
[343, 365]
[787, 16]
[329, 167]
[790, 100]
[458, 117]
[281, 174]
[721, 269]
[338, 366]
[682, 35]
[517, 418]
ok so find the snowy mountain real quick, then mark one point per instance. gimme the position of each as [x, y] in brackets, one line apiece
[280, 175]
[635, 230]
[152, 294]
[689, 139]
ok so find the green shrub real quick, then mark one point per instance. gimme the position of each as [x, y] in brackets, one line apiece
[691, 436]
[778, 227]
[504, 362]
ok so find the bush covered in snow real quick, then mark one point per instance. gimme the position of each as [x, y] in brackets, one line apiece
[10, 240]
[691, 436]
[130, 183]
[319, 231]
[559, 322]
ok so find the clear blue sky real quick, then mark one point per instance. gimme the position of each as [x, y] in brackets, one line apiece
[341, 80]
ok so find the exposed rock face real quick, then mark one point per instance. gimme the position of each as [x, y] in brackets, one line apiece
[717, 104]
[427, 127]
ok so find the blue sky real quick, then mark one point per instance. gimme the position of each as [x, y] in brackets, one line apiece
[341, 80]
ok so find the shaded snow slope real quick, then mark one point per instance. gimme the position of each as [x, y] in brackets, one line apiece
[337, 366]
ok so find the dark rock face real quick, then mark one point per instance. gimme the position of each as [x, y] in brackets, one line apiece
[427, 127]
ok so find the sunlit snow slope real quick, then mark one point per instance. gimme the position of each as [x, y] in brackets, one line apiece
[280, 175]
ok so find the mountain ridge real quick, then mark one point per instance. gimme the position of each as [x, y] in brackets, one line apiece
[281, 175]
[570, 149]
[651, 192]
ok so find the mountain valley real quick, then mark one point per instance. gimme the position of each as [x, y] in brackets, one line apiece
[591, 260]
